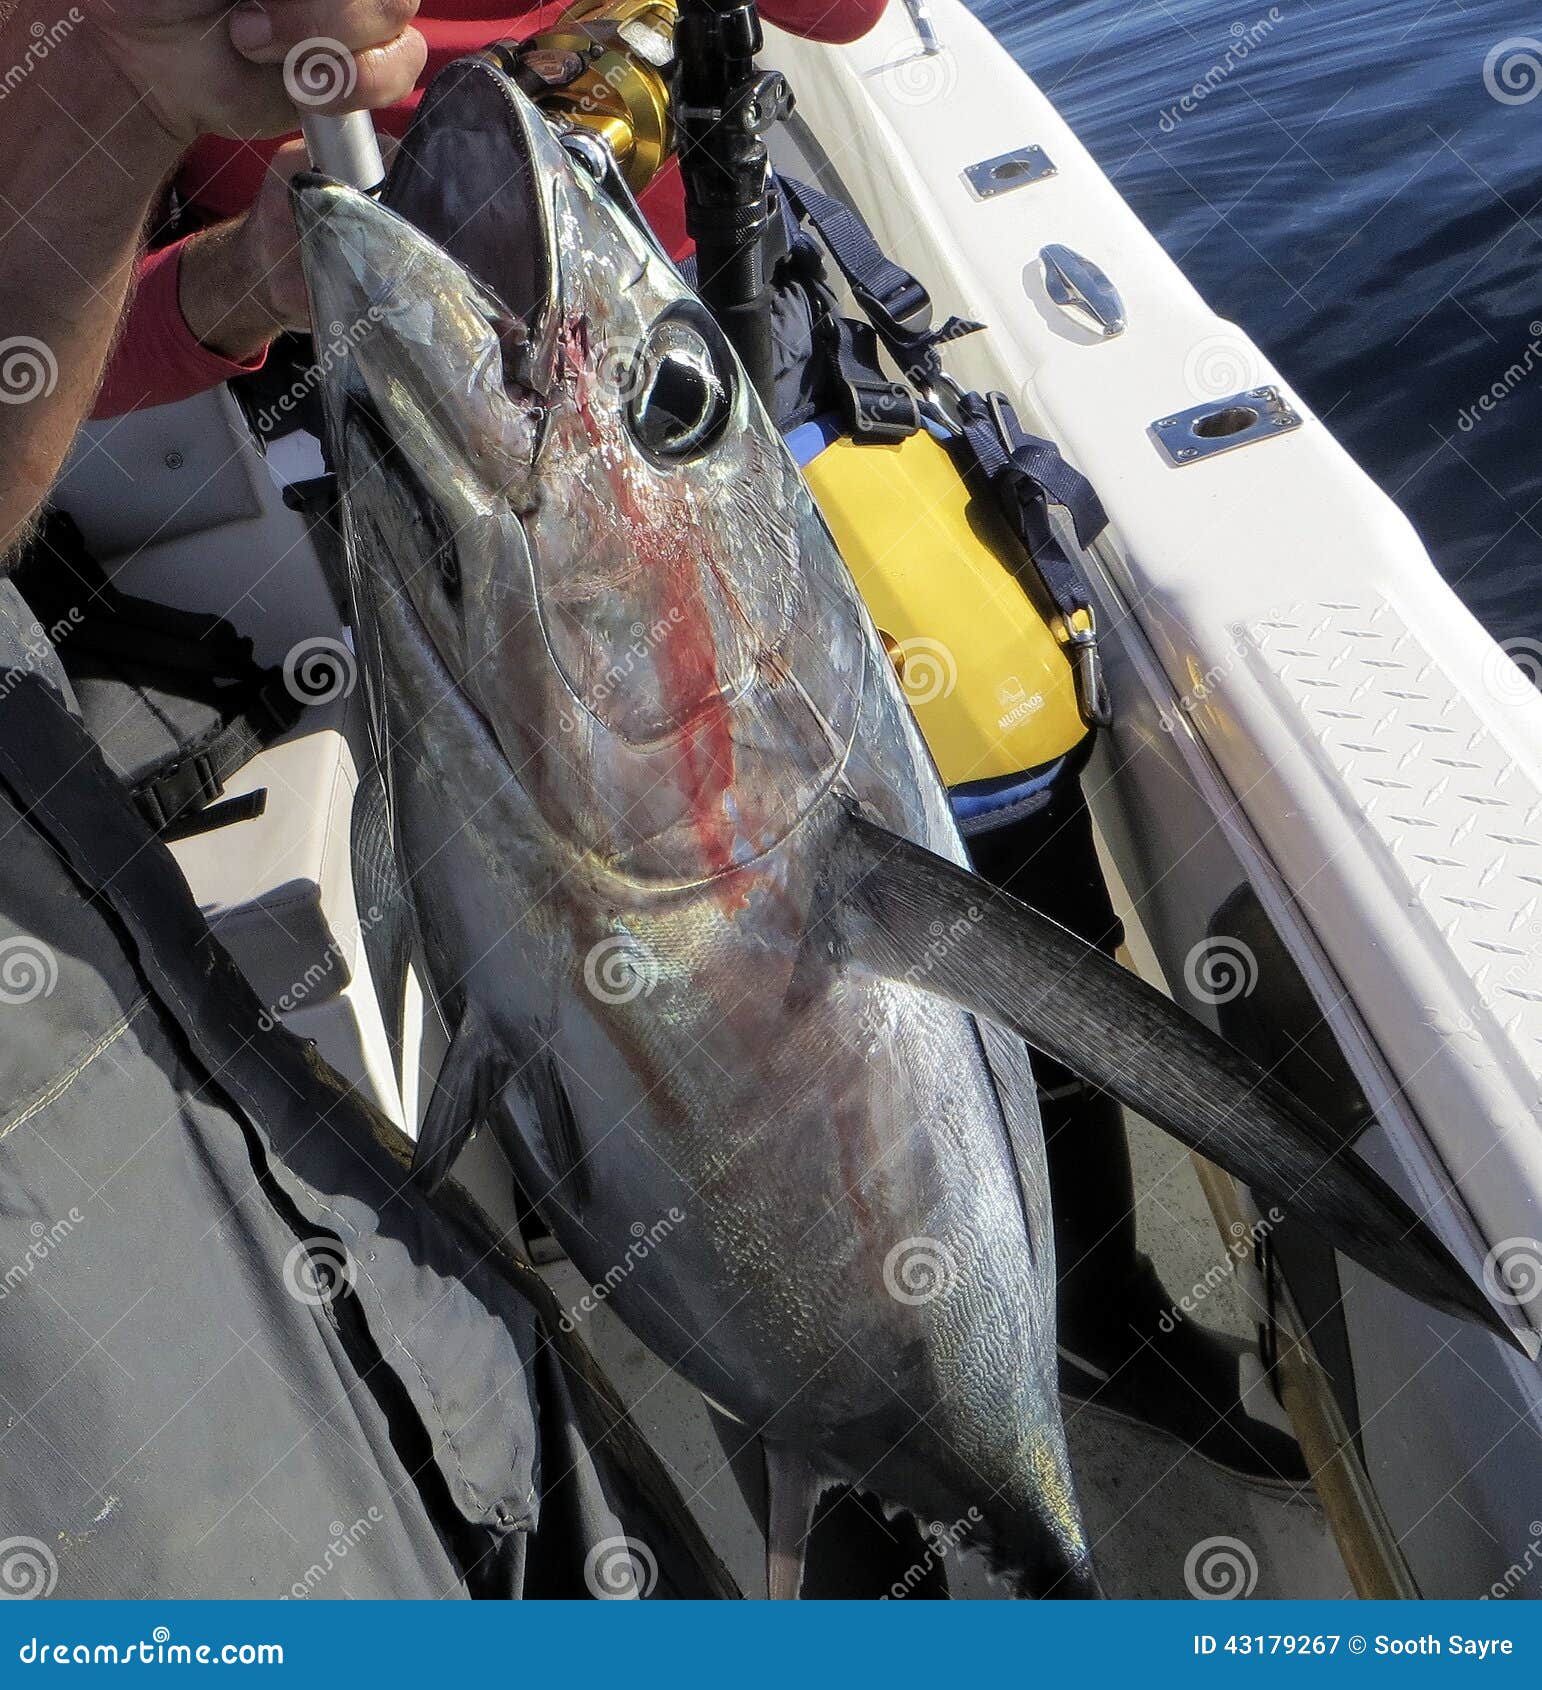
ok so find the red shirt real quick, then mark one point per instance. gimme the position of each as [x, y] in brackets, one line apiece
[157, 358]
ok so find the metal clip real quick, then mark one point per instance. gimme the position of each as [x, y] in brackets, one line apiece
[996, 403]
[1087, 670]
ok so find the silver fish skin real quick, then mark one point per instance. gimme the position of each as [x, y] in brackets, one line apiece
[628, 702]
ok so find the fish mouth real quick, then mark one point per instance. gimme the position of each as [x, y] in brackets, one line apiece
[475, 173]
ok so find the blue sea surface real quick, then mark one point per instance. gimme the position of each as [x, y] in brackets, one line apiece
[1358, 183]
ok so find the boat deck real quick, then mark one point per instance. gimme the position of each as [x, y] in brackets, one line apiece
[1148, 1504]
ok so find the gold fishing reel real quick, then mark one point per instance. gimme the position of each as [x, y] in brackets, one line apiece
[605, 66]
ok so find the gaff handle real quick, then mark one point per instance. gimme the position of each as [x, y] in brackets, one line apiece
[345, 148]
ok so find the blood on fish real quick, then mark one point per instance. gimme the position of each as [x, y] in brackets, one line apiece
[686, 660]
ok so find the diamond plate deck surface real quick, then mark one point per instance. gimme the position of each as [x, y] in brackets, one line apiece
[1459, 825]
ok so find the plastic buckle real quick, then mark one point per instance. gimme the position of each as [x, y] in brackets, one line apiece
[185, 786]
[884, 412]
[906, 325]
[768, 103]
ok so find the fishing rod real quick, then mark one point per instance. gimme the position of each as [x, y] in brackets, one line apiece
[723, 107]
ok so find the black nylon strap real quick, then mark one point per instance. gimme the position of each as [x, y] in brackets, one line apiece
[176, 666]
[1025, 473]
[198, 776]
[877, 410]
[897, 305]
[1028, 474]
[1032, 467]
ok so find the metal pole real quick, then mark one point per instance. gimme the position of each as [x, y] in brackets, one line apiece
[345, 148]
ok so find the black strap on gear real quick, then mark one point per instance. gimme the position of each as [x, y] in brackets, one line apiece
[174, 697]
[876, 408]
[176, 799]
[1027, 474]
[894, 302]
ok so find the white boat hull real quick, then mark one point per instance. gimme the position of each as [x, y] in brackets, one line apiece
[1303, 707]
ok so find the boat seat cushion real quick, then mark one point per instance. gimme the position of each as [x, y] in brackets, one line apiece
[277, 888]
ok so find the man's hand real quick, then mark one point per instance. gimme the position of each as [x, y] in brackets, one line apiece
[241, 283]
[203, 67]
[139, 79]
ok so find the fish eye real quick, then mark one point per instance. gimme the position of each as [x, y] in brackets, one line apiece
[679, 387]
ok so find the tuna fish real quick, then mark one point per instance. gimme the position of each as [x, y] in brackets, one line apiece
[688, 884]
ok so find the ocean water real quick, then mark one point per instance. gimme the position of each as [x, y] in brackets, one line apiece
[1358, 183]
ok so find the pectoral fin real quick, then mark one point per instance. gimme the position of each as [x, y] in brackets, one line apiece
[904, 912]
[468, 1080]
[558, 1127]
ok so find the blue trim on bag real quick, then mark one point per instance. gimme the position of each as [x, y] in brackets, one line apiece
[979, 801]
[809, 439]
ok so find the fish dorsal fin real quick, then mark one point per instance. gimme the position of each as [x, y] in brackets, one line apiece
[1002, 960]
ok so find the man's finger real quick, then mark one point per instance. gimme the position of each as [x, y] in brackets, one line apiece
[267, 31]
[322, 76]
[382, 76]
[288, 160]
[337, 55]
